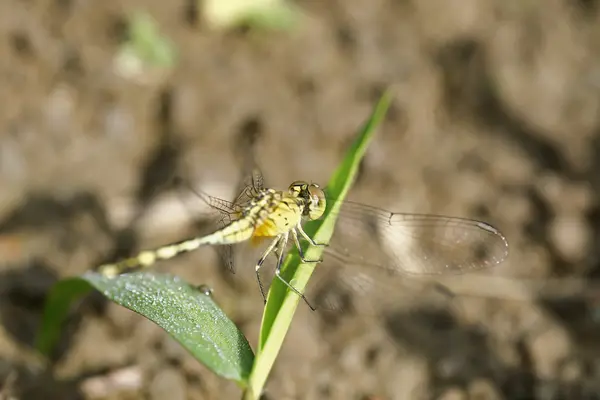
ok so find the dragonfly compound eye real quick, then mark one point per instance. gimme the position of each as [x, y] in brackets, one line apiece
[297, 188]
[317, 203]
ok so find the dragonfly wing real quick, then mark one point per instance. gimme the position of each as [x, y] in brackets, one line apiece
[339, 288]
[226, 251]
[250, 185]
[414, 243]
[218, 214]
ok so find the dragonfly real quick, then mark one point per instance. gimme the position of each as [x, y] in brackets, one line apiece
[377, 243]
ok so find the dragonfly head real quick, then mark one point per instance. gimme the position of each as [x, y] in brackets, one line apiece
[313, 196]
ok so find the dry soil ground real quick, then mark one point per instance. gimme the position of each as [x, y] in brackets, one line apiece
[496, 116]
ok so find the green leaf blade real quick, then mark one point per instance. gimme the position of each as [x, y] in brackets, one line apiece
[63, 294]
[187, 314]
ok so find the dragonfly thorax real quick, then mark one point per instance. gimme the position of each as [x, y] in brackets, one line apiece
[313, 196]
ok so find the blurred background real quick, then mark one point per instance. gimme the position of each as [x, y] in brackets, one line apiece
[495, 116]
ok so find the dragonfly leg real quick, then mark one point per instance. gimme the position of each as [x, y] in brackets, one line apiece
[300, 251]
[260, 262]
[284, 240]
[308, 238]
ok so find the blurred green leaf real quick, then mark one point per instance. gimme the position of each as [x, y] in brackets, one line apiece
[61, 297]
[146, 49]
[269, 14]
[188, 314]
[282, 302]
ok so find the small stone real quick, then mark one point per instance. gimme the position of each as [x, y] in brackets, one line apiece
[572, 371]
[409, 379]
[453, 394]
[548, 349]
[482, 389]
[168, 384]
[571, 236]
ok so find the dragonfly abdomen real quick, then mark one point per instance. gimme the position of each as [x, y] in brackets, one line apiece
[237, 231]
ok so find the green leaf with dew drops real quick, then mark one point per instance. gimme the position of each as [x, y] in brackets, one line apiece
[185, 312]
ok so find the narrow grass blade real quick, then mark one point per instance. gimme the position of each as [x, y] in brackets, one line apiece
[282, 303]
[59, 301]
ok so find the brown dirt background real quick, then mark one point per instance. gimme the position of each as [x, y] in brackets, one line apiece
[496, 116]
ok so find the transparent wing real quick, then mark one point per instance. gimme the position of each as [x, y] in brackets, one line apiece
[221, 212]
[343, 288]
[414, 243]
[249, 187]
[376, 252]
